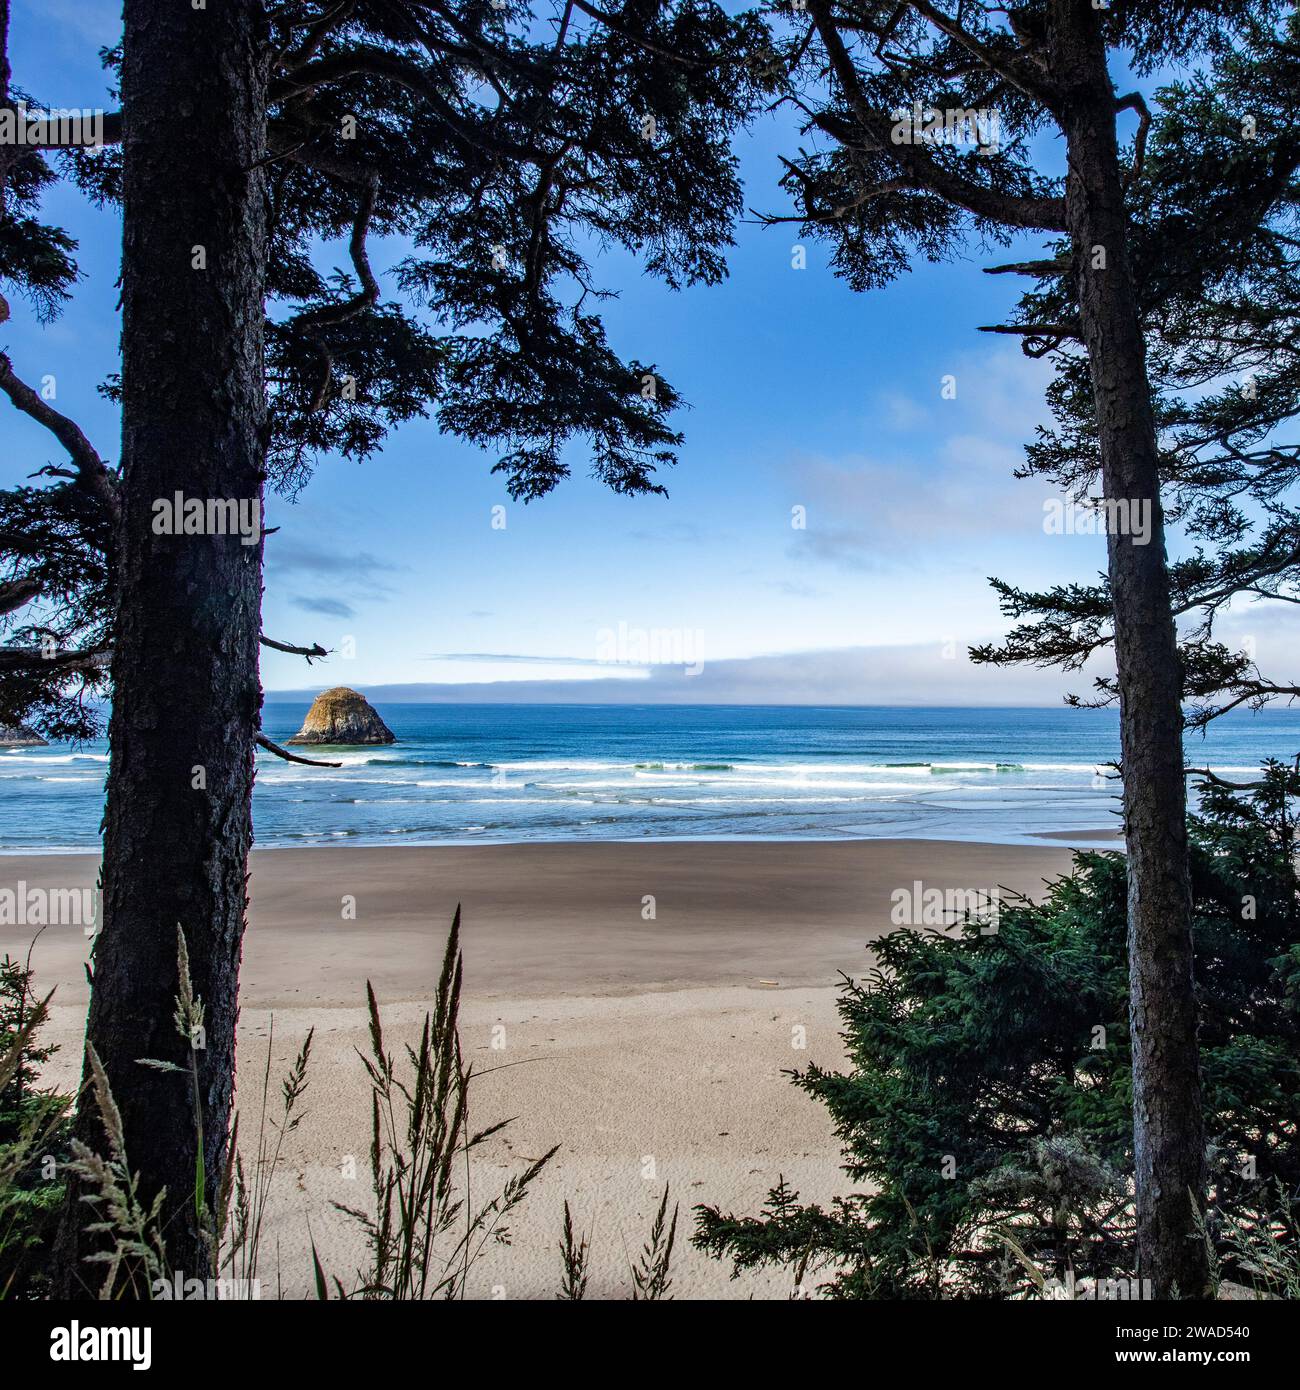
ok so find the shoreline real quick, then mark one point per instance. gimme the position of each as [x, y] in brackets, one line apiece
[584, 918]
[1088, 835]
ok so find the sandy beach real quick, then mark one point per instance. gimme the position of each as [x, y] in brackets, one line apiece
[652, 1049]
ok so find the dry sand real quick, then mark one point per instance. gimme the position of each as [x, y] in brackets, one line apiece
[652, 1051]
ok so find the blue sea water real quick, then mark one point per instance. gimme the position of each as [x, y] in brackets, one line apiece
[493, 773]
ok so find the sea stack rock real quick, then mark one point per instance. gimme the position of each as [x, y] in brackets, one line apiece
[15, 736]
[342, 716]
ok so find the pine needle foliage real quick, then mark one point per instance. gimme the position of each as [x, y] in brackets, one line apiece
[986, 1102]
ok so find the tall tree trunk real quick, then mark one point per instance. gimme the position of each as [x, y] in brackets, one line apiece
[7, 156]
[186, 699]
[1168, 1123]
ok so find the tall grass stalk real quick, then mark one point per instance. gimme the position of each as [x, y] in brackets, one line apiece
[252, 1192]
[138, 1255]
[575, 1255]
[650, 1274]
[1267, 1252]
[425, 1235]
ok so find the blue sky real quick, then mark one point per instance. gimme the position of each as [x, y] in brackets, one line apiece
[803, 394]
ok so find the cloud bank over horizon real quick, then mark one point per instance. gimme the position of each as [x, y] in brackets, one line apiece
[916, 674]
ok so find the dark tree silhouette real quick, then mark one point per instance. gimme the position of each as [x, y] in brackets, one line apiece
[1215, 212]
[502, 144]
[883, 184]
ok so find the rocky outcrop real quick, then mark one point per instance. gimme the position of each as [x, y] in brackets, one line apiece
[342, 716]
[15, 736]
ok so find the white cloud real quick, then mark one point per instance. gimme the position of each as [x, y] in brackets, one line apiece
[872, 510]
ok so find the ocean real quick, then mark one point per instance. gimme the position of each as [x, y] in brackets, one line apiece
[502, 773]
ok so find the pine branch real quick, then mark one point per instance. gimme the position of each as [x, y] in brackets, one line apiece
[1009, 67]
[875, 128]
[16, 593]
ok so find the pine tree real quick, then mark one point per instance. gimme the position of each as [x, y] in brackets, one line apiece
[985, 1111]
[924, 123]
[500, 147]
[1214, 219]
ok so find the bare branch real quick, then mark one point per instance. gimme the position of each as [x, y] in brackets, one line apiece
[263, 742]
[309, 652]
[109, 133]
[28, 660]
[1040, 270]
[1037, 339]
[1135, 101]
[1032, 330]
[1206, 775]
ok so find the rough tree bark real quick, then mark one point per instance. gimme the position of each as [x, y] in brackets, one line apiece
[7, 156]
[185, 675]
[1168, 1124]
